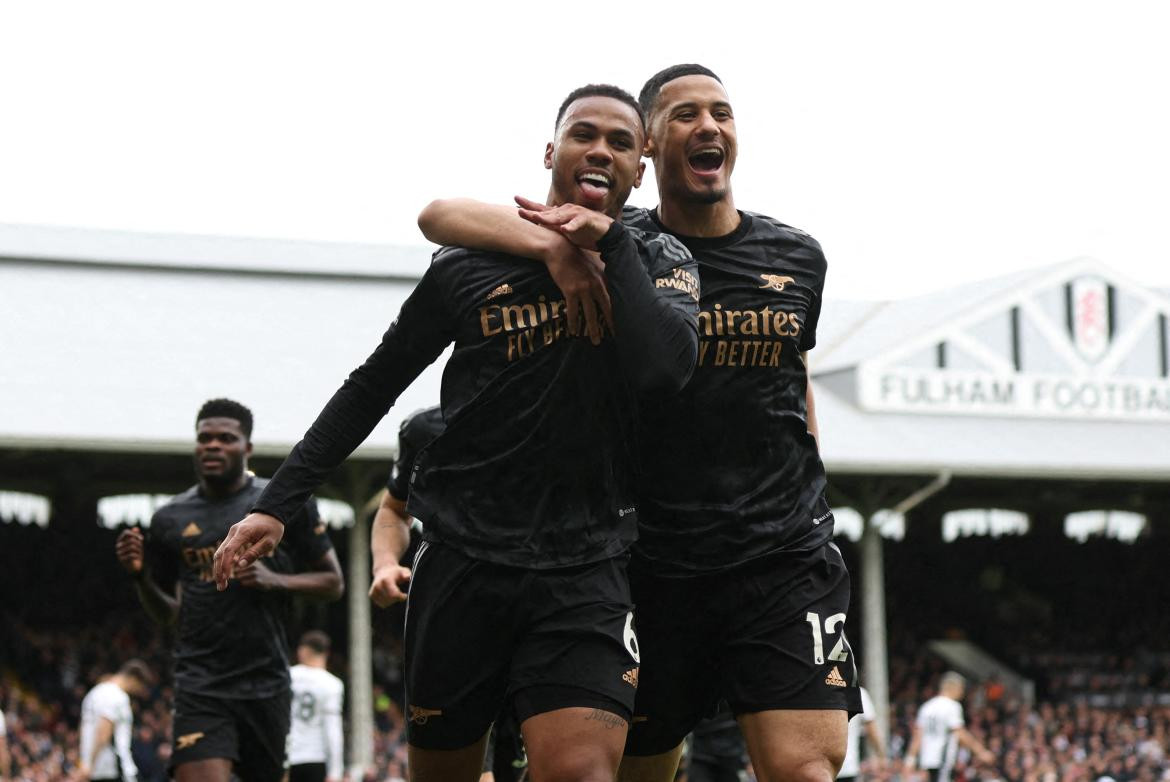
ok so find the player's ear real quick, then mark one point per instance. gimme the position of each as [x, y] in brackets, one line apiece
[641, 171]
[248, 448]
[648, 149]
[548, 155]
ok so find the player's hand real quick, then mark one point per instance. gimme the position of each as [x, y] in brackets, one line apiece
[580, 277]
[129, 550]
[248, 540]
[385, 590]
[583, 227]
[258, 576]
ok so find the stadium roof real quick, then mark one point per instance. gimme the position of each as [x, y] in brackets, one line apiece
[910, 386]
[113, 340]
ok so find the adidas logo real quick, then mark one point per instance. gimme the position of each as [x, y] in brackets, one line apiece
[630, 677]
[834, 679]
[502, 290]
[191, 530]
[419, 715]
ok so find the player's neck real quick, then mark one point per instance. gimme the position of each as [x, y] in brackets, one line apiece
[690, 218]
[218, 491]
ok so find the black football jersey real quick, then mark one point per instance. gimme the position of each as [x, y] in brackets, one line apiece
[229, 644]
[729, 470]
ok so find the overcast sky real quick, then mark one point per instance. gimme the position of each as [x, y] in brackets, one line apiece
[924, 144]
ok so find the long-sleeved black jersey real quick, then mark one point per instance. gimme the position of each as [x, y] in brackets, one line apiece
[729, 469]
[534, 467]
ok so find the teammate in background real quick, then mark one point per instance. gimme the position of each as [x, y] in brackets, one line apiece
[865, 721]
[314, 740]
[741, 593]
[939, 730]
[390, 538]
[717, 752]
[107, 722]
[231, 688]
[519, 592]
[390, 532]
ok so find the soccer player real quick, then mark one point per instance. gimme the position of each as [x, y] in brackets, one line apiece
[314, 740]
[390, 532]
[865, 721]
[107, 722]
[741, 593]
[231, 688]
[939, 730]
[519, 590]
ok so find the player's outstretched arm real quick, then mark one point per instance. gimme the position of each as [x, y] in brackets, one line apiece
[469, 223]
[389, 537]
[424, 327]
[655, 329]
[246, 542]
[130, 549]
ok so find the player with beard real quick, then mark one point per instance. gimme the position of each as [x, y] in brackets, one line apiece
[232, 686]
[732, 513]
[519, 593]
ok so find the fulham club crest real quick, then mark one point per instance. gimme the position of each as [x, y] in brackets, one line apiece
[1089, 317]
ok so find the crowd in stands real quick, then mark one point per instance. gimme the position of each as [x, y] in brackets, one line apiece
[1102, 685]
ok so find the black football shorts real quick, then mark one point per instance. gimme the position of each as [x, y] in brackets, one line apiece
[481, 635]
[767, 634]
[249, 732]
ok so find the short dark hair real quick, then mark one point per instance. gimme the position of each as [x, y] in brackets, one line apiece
[137, 669]
[649, 94]
[315, 640]
[603, 91]
[227, 408]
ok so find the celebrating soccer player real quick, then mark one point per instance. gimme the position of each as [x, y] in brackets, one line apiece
[519, 591]
[741, 593]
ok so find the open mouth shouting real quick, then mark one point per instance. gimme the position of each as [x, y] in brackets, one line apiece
[595, 184]
[706, 160]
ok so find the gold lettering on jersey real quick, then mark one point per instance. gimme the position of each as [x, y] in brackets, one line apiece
[767, 322]
[528, 326]
[682, 280]
[200, 559]
[739, 353]
[722, 333]
[775, 282]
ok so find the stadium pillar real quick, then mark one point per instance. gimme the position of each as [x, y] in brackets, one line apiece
[873, 619]
[361, 676]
